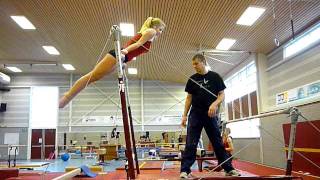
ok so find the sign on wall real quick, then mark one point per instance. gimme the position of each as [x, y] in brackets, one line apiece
[165, 120]
[106, 120]
[12, 139]
[299, 93]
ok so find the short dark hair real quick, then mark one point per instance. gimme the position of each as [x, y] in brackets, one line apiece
[200, 57]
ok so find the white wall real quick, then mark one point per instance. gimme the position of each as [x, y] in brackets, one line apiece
[274, 78]
[148, 99]
[294, 72]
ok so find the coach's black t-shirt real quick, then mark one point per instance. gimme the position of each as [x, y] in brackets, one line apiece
[201, 98]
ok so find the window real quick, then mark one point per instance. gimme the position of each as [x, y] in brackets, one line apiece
[240, 102]
[245, 129]
[241, 83]
[44, 107]
[306, 40]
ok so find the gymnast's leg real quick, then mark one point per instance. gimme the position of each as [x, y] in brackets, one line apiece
[105, 66]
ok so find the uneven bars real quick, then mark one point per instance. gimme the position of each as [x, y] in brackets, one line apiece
[283, 111]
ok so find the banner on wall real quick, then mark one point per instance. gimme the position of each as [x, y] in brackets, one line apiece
[166, 120]
[12, 139]
[299, 93]
[106, 120]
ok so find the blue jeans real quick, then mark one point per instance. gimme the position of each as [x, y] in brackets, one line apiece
[196, 122]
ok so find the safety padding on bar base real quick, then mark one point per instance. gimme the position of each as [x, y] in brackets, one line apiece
[8, 173]
[95, 169]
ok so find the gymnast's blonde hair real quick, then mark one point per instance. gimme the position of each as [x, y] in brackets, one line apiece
[151, 22]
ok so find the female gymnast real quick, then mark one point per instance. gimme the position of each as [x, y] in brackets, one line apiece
[139, 44]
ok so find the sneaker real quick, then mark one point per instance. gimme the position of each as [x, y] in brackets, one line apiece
[183, 175]
[233, 173]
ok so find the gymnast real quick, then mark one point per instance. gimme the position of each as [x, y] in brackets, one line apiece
[139, 44]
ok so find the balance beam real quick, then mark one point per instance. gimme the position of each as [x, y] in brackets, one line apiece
[69, 175]
[25, 165]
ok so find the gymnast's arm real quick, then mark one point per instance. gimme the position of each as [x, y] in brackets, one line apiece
[230, 144]
[146, 36]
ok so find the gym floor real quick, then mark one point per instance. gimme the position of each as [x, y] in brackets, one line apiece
[57, 168]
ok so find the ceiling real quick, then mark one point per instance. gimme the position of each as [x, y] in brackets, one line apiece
[79, 30]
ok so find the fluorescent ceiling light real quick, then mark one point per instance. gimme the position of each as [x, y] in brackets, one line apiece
[68, 67]
[127, 29]
[51, 50]
[5, 79]
[14, 69]
[225, 44]
[23, 22]
[132, 71]
[44, 64]
[250, 15]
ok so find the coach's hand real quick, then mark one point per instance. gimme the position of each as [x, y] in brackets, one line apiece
[184, 121]
[212, 109]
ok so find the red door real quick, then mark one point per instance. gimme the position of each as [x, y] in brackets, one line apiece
[42, 143]
[36, 143]
[50, 142]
